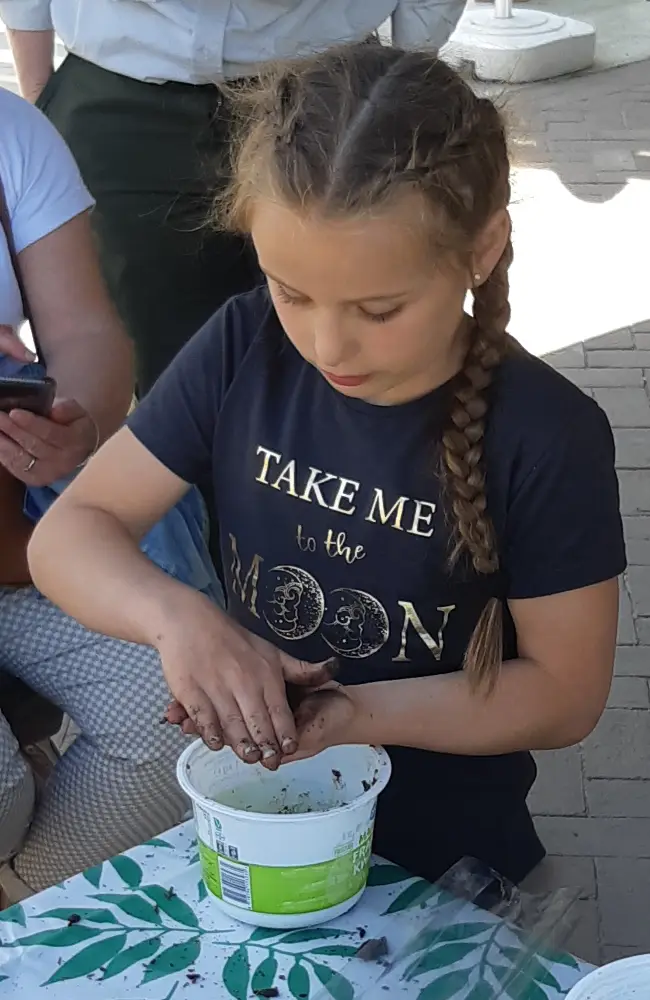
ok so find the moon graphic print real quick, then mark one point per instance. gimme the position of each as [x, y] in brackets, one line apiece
[307, 577]
[356, 625]
[296, 606]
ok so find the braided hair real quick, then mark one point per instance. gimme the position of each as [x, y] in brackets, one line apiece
[350, 129]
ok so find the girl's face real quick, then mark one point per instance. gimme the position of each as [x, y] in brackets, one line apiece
[363, 299]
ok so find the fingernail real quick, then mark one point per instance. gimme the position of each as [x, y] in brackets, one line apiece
[289, 746]
[30, 355]
[268, 752]
[215, 743]
[250, 749]
[332, 665]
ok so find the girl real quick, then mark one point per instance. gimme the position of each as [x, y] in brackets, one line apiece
[398, 484]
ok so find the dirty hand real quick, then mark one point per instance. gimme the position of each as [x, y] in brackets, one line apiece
[326, 717]
[229, 685]
[40, 450]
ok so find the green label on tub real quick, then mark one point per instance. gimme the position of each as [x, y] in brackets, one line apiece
[287, 891]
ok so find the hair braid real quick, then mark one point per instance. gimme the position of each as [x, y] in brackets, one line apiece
[464, 466]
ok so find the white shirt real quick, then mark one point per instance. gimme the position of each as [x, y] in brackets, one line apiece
[200, 41]
[42, 185]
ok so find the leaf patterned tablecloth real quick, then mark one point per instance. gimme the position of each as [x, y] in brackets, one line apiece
[141, 927]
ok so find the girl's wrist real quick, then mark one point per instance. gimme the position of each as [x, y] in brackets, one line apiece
[370, 712]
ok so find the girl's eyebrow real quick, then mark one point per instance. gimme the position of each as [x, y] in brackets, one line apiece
[366, 298]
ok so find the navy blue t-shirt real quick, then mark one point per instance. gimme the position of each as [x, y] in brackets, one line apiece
[334, 539]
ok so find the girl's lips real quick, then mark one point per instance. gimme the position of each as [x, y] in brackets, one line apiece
[346, 380]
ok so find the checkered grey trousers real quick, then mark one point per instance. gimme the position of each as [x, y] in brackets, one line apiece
[116, 786]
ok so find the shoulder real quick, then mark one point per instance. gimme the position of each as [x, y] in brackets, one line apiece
[245, 324]
[228, 342]
[534, 408]
[42, 184]
[26, 133]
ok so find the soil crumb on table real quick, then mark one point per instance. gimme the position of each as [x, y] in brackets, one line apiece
[373, 950]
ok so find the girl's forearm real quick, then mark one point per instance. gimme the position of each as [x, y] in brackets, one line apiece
[528, 710]
[87, 563]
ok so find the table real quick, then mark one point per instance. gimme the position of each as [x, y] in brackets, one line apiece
[140, 927]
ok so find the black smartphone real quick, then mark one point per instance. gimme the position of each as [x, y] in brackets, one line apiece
[33, 394]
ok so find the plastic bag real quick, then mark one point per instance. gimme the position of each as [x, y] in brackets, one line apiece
[475, 937]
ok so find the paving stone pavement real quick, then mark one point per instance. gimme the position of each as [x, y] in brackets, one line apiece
[592, 802]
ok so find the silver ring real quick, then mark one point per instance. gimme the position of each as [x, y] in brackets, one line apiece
[30, 465]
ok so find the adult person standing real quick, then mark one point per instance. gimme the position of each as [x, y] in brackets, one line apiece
[135, 100]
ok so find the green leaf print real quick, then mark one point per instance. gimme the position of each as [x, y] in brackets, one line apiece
[437, 936]
[203, 892]
[445, 987]
[440, 957]
[336, 950]
[465, 932]
[14, 915]
[128, 870]
[94, 875]
[91, 916]
[89, 959]
[528, 991]
[560, 958]
[387, 875]
[482, 991]
[236, 974]
[172, 960]
[172, 905]
[534, 968]
[336, 985]
[264, 975]
[263, 934]
[61, 937]
[141, 952]
[419, 892]
[316, 934]
[157, 842]
[298, 982]
[133, 905]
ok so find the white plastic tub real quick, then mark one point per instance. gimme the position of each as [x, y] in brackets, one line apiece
[289, 848]
[628, 979]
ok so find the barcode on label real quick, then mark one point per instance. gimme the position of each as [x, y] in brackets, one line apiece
[235, 883]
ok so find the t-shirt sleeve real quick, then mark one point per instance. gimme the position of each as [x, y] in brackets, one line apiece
[42, 183]
[177, 419]
[564, 529]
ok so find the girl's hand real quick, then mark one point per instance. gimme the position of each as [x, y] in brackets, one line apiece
[230, 685]
[327, 717]
[40, 450]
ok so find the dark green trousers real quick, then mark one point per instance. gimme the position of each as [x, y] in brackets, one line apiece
[153, 157]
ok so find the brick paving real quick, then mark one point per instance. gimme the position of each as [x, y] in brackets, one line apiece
[592, 802]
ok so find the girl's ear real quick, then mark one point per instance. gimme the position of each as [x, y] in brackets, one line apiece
[489, 246]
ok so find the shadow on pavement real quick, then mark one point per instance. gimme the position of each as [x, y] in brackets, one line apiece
[592, 130]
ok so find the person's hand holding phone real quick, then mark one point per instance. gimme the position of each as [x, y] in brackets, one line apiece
[12, 346]
[39, 450]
